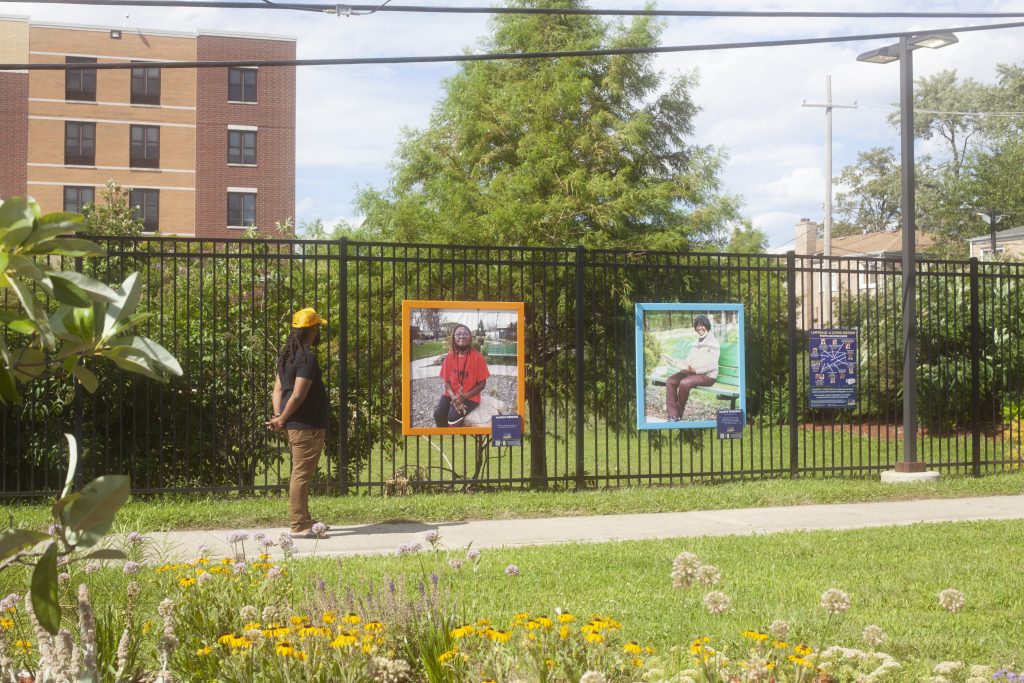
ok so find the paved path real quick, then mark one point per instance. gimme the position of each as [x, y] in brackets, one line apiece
[383, 538]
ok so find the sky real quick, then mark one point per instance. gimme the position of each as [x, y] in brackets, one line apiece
[350, 118]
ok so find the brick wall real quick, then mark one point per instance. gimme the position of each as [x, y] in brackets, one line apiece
[14, 134]
[274, 117]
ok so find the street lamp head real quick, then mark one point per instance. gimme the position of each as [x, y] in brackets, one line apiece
[882, 55]
[933, 40]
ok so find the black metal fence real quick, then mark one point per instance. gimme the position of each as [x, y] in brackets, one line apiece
[222, 308]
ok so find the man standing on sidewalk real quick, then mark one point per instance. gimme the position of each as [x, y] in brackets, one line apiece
[300, 409]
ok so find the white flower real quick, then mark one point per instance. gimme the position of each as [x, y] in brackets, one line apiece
[708, 575]
[319, 529]
[455, 564]
[131, 568]
[248, 613]
[593, 677]
[432, 536]
[952, 600]
[205, 577]
[512, 570]
[92, 566]
[716, 602]
[472, 554]
[947, 668]
[779, 629]
[684, 570]
[835, 601]
[874, 635]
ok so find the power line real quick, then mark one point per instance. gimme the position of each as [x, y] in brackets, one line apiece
[362, 10]
[918, 110]
[500, 56]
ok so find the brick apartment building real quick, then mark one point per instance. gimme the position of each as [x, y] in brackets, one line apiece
[206, 152]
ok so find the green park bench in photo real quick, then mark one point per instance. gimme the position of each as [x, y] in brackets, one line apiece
[727, 384]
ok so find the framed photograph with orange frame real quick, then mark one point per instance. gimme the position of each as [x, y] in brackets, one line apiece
[448, 349]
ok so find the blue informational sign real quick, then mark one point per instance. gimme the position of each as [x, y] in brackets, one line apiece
[833, 372]
[506, 430]
[730, 424]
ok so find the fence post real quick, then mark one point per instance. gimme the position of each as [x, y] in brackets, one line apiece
[343, 416]
[580, 256]
[794, 431]
[78, 417]
[975, 331]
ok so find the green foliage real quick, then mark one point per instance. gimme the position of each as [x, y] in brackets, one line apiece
[590, 151]
[870, 198]
[113, 215]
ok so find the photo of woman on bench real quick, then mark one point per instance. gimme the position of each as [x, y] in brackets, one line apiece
[689, 364]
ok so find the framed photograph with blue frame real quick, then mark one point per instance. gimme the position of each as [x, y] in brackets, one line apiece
[690, 363]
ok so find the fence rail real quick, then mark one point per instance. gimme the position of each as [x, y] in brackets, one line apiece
[222, 309]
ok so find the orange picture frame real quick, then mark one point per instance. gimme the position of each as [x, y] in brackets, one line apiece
[487, 316]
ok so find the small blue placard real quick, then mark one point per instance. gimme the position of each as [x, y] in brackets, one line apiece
[833, 371]
[506, 430]
[730, 424]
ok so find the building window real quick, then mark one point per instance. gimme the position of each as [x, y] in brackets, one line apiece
[80, 84]
[241, 146]
[987, 253]
[77, 197]
[145, 85]
[146, 204]
[241, 85]
[79, 143]
[145, 147]
[241, 209]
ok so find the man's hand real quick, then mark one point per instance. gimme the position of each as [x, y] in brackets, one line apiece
[275, 424]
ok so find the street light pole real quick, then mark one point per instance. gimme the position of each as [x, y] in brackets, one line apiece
[907, 209]
[902, 52]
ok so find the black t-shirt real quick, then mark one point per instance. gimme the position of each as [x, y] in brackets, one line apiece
[312, 412]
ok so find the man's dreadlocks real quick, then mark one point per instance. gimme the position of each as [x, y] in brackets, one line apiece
[292, 346]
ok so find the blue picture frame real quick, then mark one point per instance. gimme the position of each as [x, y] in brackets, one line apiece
[645, 421]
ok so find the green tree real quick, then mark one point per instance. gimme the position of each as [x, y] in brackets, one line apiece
[870, 197]
[113, 215]
[746, 239]
[590, 151]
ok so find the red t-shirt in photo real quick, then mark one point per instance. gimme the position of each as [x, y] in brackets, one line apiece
[464, 372]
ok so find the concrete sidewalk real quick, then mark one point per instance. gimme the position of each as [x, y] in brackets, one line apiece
[384, 538]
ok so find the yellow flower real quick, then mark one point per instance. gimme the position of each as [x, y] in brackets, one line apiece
[563, 631]
[565, 618]
[519, 618]
[186, 581]
[367, 649]
[328, 617]
[353, 619]
[488, 680]
[755, 635]
[780, 644]
[203, 651]
[145, 627]
[276, 631]
[345, 639]
[483, 622]
[697, 645]
[299, 655]
[297, 620]
[499, 636]
[284, 649]
[373, 627]
[594, 638]
[545, 623]
[6, 623]
[462, 631]
[25, 645]
[549, 663]
[637, 661]
[249, 626]
[802, 650]
[801, 662]
[447, 654]
[264, 557]
[633, 648]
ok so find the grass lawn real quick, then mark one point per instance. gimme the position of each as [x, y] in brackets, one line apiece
[892, 575]
[198, 512]
[434, 347]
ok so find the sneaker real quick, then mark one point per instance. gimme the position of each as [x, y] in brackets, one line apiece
[309, 533]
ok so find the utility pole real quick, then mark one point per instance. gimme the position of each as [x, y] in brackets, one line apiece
[828, 106]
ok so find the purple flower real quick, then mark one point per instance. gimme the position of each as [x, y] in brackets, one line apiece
[131, 568]
[274, 573]
[237, 537]
[434, 580]
[10, 602]
[203, 549]
[410, 547]
[63, 577]
[512, 570]
[319, 529]
[286, 543]
[92, 567]
[472, 554]
[240, 567]
[391, 586]
[433, 537]
[135, 537]
[205, 577]
[455, 564]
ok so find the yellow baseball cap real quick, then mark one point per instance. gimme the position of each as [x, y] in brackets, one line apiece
[307, 317]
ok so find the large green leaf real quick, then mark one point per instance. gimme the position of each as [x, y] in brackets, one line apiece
[23, 266]
[86, 377]
[130, 360]
[69, 293]
[15, 540]
[35, 311]
[44, 590]
[160, 356]
[16, 220]
[69, 480]
[73, 246]
[96, 289]
[106, 554]
[8, 387]
[89, 517]
[128, 298]
[28, 363]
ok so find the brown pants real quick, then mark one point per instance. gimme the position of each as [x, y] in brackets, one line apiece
[677, 391]
[307, 445]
